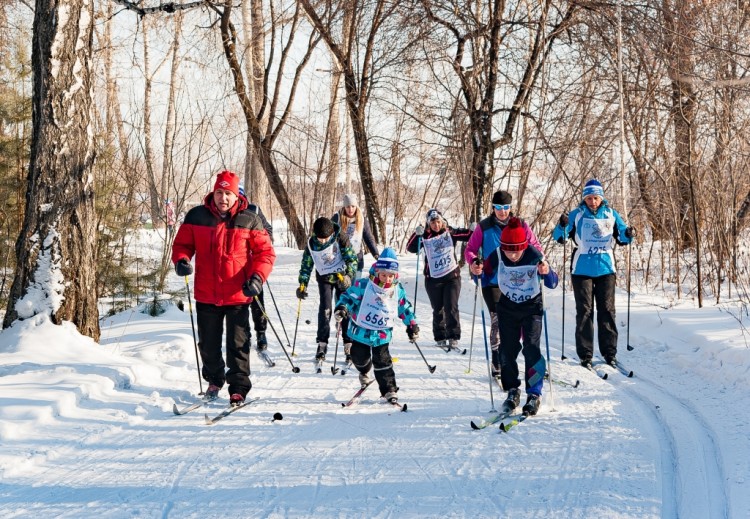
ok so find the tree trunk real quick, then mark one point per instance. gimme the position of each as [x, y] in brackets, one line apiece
[55, 250]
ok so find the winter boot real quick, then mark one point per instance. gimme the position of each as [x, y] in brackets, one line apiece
[453, 343]
[586, 363]
[513, 400]
[612, 361]
[236, 399]
[391, 397]
[532, 404]
[364, 379]
[442, 343]
[212, 393]
[348, 351]
[322, 350]
[262, 342]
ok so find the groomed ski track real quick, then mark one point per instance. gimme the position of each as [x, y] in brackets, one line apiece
[116, 450]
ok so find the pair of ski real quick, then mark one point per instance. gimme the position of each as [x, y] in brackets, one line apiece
[500, 417]
[604, 375]
[231, 408]
[319, 367]
[355, 399]
[265, 357]
[448, 348]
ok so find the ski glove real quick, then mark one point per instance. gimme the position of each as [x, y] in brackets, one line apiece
[629, 232]
[344, 283]
[340, 313]
[301, 292]
[413, 331]
[473, 226]
[419, 231]
[183, 268]
[253, 286]
[564, 220]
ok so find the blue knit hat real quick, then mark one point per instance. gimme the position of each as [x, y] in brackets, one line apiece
[387, 261]
[593, 187]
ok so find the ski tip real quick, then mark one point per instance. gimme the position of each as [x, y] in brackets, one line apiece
[474, 426]
[208, 420]
[403, 408]
[175, 410]
[605, 376]
[503, 428]
[577, 383]
[464, 352]
[630, 374]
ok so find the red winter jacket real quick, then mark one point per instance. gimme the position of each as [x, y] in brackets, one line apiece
[227, 251]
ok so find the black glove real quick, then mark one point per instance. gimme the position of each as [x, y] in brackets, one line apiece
[253, 286]
[419, 231]
[564, 220]
[630, 232]
[413, 331]
[344, 283]
[340, 313]
[301, 292]
[183, 268]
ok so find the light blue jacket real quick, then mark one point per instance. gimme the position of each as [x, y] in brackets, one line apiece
[587, 260]
[352, 299]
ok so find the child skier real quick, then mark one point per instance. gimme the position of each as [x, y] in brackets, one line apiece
[442, 275]
[329, 253]
[372, 305]
[517, 268]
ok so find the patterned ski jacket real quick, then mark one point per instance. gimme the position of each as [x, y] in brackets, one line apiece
[593, 253]
[352, 299]
[308, 265]
[228, 251]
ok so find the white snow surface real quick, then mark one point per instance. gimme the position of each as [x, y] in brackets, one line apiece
[87, 429]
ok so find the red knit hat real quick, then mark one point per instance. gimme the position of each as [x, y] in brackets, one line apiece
[229, 181]
[513, 238]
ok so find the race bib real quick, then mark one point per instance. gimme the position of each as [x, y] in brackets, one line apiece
[355, 238]
[379, 308]
[439, 254]
[596, 235]
[328, 260]
[518, 284]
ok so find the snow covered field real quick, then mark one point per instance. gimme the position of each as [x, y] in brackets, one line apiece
[87, 430]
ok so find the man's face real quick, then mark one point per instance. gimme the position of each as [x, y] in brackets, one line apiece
[224, 200]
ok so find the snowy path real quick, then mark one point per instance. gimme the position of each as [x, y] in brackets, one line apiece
[93, 434]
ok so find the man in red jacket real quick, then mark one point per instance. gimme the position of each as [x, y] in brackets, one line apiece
[233, 258]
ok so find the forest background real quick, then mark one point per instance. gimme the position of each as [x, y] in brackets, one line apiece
[109, 109]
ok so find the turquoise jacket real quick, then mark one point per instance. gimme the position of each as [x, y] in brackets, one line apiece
[587, 262]
[352, 299]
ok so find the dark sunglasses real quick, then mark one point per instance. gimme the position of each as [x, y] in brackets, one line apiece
[501, 207]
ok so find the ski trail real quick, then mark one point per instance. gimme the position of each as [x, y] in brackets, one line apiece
[692, 467]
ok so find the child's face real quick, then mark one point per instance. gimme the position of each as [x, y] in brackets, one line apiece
[513, 255]
[386, 277]
[322, 240]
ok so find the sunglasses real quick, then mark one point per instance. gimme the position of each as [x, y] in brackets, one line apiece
[501, 207]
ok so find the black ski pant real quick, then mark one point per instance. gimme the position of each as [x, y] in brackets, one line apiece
[365, 357]
[591, 292]
[210, 319]
[443, 293]
[325, 310]
[259, 321]
[491, 295]
[517, 320]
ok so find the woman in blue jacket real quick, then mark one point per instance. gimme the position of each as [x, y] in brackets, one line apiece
[594, 228]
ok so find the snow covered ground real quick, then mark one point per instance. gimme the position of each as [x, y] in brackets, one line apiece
[87, 430]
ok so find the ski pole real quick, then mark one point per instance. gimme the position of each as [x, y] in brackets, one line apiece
[565, 269]
[295, 369]
[195, 342]
[431, 368]
[273, 300]
[296, 324]
[416, 277]
[334, 369]
[630, 254]
[473, 320]
[487, 355]
[546, 341]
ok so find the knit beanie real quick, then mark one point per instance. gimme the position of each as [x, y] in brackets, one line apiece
[349, 199]
[322, 227]
[513, 238]
[502, 197]
[387, 261]
[228, 181]
[434, 214]
[593, 187]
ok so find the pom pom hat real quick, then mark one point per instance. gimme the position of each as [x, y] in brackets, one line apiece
[322, 227]
[228, 181]
[387, 261]
[434, 214]
[513, 238]
[593, 187]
